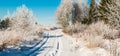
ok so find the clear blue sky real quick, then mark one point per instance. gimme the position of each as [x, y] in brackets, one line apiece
[44, 10]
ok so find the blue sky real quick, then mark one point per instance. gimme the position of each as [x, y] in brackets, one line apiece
[44, 10]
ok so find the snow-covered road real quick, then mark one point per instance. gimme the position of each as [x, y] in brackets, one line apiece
[51, 45]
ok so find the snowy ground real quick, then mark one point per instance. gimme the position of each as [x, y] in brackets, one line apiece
[48, 46]
[55, 43]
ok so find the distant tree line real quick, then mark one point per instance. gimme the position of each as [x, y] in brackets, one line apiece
[5, 23]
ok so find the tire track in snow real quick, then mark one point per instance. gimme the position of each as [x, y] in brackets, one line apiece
[36, 47]
[52, 41]
[53, 51]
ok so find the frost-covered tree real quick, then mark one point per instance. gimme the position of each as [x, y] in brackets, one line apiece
[63, 13]
[110, 12]
[74, 10]
[84, 9]
[23, 18]
[80, 11]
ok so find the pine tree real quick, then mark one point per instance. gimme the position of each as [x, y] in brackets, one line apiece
[7, 22]
[0, 24]
[110, 12]
[104, 9]
[84, 11]
[76, 13]
[93, 11]
[3, 24]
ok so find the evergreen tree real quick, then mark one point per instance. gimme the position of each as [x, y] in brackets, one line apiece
[36, 23]
[76, 13]
[7, 22]
[0, 24]
[104, 9]
[3, 24]
[93, 11]
[84, 11]
[110, 12]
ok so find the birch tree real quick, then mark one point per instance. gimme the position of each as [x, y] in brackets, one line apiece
[63, 13]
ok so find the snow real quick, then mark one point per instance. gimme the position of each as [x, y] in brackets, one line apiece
[93, 52]
[66, 48]
[56, 43]
[71, 46]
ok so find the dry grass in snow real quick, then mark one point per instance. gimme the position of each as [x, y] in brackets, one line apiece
[98, 37]
[15, 37]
